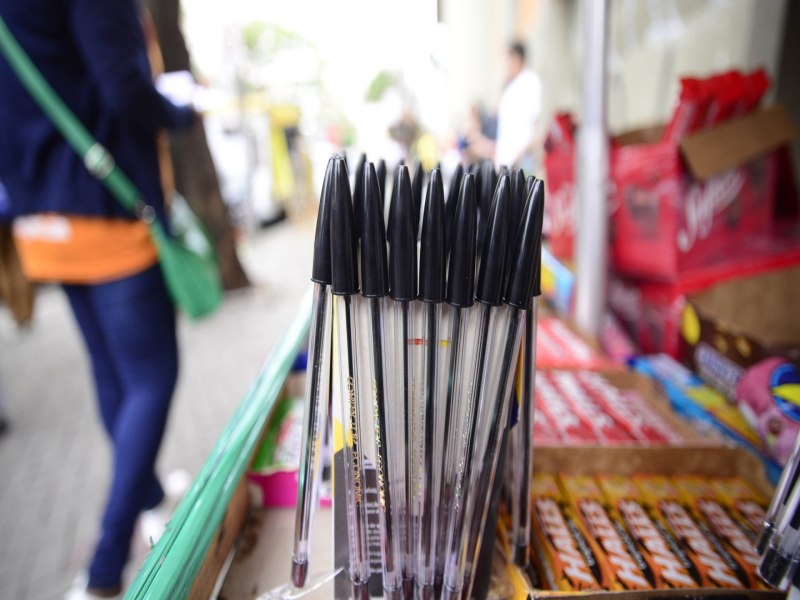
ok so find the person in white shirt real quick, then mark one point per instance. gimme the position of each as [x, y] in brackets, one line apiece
[519, 108]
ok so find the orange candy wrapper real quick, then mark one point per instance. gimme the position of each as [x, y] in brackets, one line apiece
[626, 568]
[568, 559]
[747, 506]
[699, 494]
[714, 563]
[669, 564]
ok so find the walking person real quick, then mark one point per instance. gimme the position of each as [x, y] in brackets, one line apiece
[69, 229]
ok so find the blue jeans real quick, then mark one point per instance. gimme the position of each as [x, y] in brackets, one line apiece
[128, 326]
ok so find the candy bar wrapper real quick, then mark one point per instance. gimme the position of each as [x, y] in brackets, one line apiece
[699, 494]
[670, 565]
[630, 409]
[568, 559]
[628, 569]
[747, 506]
[604, 426]
[570, 428]
[557, 346]
[716, 566]
[544, 432]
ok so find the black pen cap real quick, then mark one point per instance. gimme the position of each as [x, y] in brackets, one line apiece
[321, 264]
[358, 191]
[416, 195]
[344, 267]
[453, 194]
[515, 207]
[402, 240]
[461, 271]
[493, 254]
[374, 270]
[529, 186]
[380, 172]
[486, 193]
[433, 253]
[526, 264]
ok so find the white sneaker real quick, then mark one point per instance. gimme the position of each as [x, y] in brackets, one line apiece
[78, 590]
[153, 522]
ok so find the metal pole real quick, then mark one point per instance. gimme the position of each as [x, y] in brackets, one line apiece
[592, 172]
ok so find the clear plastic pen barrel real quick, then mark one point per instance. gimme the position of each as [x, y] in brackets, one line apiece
[522, 444]
[387, 448]
[495, 391]
[786, 484]
[450, 415]
[345, 322]
[430, 366]
[781, 559]
[316, 403]
[400, 430]
[468, 382]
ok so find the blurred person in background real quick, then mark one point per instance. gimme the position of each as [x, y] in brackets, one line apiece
[69, 229]
[519, 109]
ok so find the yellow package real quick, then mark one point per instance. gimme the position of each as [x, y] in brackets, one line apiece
[716, 567]
[669, 564]
[567, 559]
[627, 568]
[747, 506]
[698, 493]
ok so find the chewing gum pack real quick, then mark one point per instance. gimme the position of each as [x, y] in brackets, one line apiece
[714, 563]
[626, 567]
[603, 425]
[669, 565]
[746, 506]
[699, 494]
[568, 559]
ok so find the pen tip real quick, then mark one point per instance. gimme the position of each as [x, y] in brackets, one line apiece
[344, 270]
[402, 240]
[493, 253]
[321, 263]
[525, 269]
[432, 267]
[461, 271]
[374, 276]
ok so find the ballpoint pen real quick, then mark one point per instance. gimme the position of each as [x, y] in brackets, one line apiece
[432, 284]
[374, 288]
[317, 386]
[452, 200]
[786, 483]
[344, 287]
[358, 192]
[460, 297]
[522, 434]
[469, 385]
[780, 560]
[524, 275]
[417, 182]
[403, 291]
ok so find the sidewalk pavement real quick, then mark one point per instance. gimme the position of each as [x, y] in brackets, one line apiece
[54, 460]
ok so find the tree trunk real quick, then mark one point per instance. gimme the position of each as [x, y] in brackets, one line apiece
[195, 174]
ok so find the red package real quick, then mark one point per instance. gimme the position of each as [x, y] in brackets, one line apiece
[605, 427]
[690, 113]
[569, 427]
[642, 421]
[543, 431]
[557, 346]
[728, 90]
[756, 85]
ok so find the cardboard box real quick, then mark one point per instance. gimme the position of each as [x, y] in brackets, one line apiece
[594, 461]
[675, 208]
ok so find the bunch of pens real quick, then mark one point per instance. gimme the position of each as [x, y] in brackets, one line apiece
[779, 542]
[416, 328]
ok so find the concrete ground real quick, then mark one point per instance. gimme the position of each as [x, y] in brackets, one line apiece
[54, 460]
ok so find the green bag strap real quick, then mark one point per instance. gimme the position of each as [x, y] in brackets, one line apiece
[96, 158]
